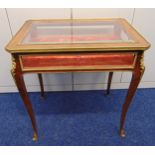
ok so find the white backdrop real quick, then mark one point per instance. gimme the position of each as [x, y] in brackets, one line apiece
[12, 19]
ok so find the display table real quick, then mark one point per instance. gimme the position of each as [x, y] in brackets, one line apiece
[42, 46]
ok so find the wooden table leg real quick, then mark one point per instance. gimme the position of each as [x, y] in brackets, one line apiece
[19, 80]
[136, 77]
[109, 82]
[41, 85]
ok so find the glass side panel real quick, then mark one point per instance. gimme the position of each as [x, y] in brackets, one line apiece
[76, 32]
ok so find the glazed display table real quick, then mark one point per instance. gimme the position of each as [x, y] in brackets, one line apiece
[42, 46]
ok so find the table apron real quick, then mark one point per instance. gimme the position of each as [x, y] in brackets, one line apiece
[77, 62]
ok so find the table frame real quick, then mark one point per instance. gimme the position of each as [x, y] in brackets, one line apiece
[137, 70]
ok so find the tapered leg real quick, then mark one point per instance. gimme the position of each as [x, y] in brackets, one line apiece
[136, 77]
[18, 78]
[109, 83]
[41, 84]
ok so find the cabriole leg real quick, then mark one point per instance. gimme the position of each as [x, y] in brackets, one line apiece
[19, 80]
[41, 85]
[109, 82]
[136, 77]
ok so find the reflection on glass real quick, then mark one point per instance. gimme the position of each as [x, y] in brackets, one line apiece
[76, 32]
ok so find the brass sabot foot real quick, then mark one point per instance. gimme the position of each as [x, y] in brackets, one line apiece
[35, 137]
[122, 133]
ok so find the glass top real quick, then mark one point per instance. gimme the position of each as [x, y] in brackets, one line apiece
[76, 32]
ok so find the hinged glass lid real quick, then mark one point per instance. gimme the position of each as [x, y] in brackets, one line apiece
[76, 32]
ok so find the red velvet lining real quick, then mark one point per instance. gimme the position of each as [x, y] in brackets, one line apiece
[77, 60]
[68, 38]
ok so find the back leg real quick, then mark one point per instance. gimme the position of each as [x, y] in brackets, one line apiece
[109, 83]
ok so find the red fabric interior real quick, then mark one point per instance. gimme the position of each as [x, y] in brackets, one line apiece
[77, 60]
[68, 38]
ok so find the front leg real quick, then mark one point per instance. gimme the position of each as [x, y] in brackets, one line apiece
[19, 81]
[136, 77]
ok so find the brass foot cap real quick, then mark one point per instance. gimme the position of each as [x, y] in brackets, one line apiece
[35, 137]
[122, 133]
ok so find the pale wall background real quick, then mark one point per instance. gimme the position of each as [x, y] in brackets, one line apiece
[12, 19]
